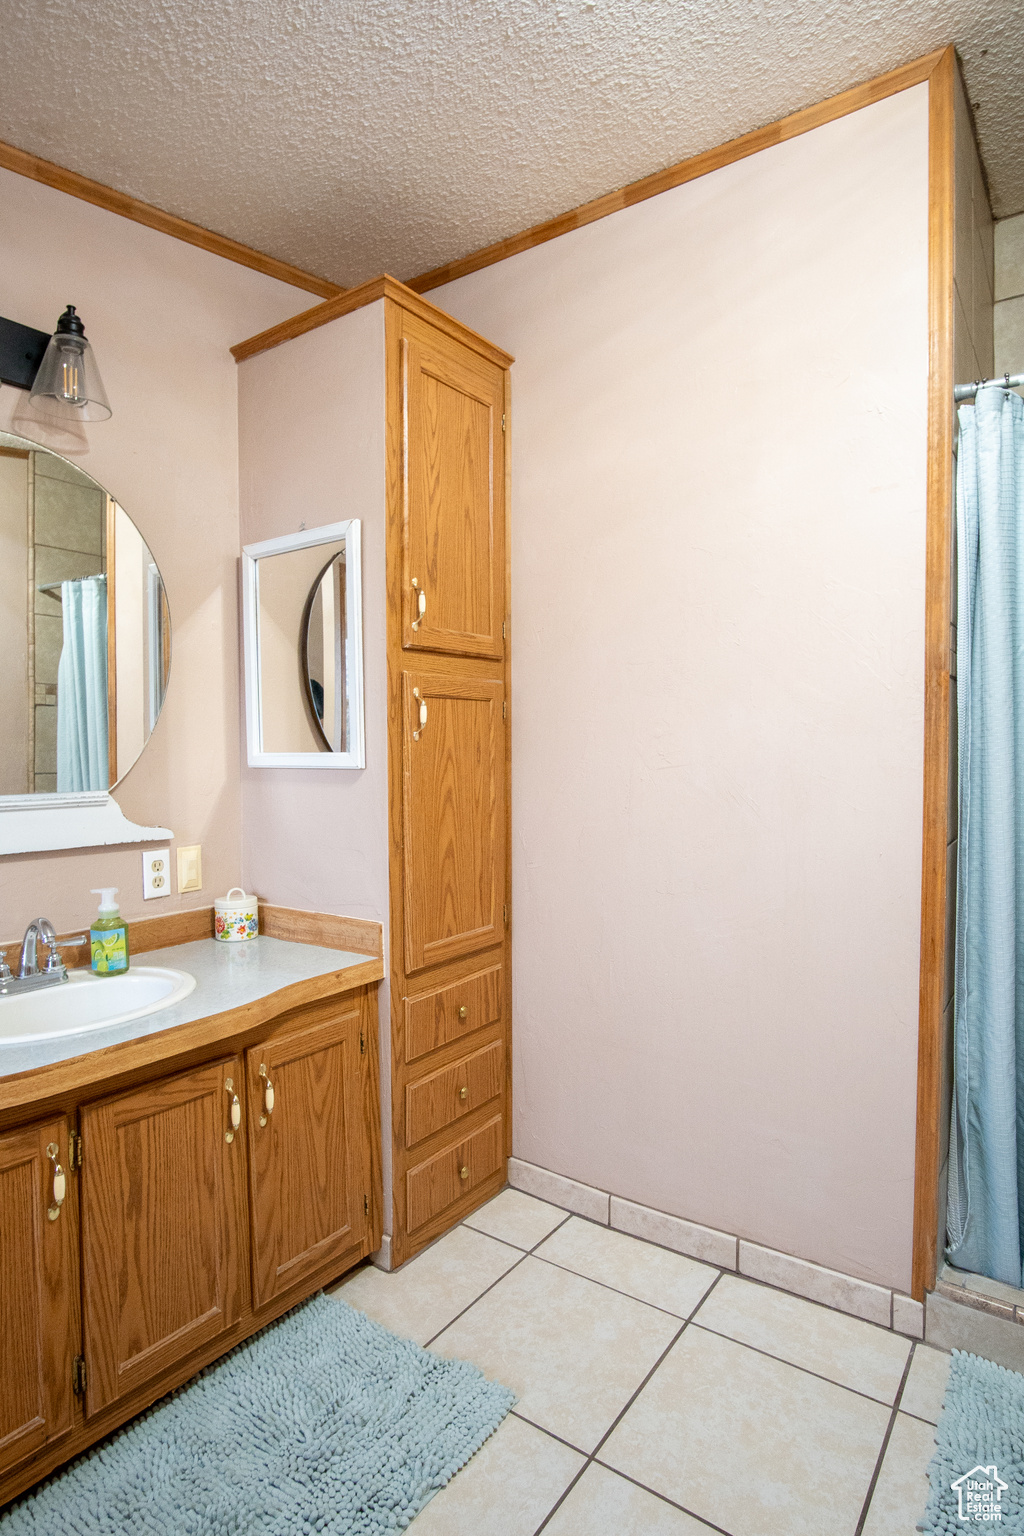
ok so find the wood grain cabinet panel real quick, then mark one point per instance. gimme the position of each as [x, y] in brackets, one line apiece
[164, 1226]
[309, 1153]
[39, 1314]
[454, 487]
[453, 816]
[445, 1014]
[435, 1184]
[445, 1096]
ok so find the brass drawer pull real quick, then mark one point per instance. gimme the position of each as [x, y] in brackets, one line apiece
[236, 1109]
[463, 1012]
[463, 1172]
[463, 1093]
[421, 603]
[423, 714]
[60, 1183]
[268, 1094]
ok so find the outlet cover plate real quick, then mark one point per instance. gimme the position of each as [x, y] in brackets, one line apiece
[156, 873]
[190, 867]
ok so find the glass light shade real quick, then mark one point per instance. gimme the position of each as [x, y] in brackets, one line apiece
[68, 384]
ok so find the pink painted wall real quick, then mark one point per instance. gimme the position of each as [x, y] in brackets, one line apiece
[169, 455]
[718, 448]
[311, 450]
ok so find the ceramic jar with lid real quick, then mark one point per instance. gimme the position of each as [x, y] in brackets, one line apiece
[235, 916]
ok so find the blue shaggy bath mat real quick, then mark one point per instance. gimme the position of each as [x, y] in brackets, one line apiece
[977, 1473]
[325, 1422]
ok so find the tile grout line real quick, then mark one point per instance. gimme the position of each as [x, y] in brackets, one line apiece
[711, 1526]
[620, 1415]
[523, 1255]
[829, 1380]
[885, 1442]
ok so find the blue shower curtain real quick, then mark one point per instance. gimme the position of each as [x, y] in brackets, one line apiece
[986, 1162]
[82, 761]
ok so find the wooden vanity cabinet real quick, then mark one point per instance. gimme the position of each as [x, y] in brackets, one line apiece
[164, 1231]
[39, 1291]
[196, 1223]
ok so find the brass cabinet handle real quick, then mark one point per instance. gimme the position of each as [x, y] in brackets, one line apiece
[463, 1172]
[268, 1094]
[421, 603]
[463, 1093]
[423, 714]
[60, 1183]
[463, 1011]
[235, 1109]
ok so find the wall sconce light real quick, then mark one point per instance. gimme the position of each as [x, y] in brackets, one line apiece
[59, 370]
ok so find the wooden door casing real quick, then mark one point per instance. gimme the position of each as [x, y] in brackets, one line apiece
[40, 1327]
[309, 1169]
[453, 816]
[164, 1226]
[453, 488]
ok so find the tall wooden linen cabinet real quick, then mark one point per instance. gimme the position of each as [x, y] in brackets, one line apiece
[446, 406]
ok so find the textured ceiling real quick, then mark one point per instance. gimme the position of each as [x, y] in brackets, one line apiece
[352, 138]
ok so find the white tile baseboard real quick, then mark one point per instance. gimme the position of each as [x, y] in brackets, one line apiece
[830, 1286]
[582, 1199]
[844, 1293]
[697, 1242]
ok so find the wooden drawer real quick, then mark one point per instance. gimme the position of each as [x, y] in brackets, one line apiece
[436, 1018]
[434, 1185]
[445, 1096]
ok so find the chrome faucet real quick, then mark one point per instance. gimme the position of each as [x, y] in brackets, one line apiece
[29, 975]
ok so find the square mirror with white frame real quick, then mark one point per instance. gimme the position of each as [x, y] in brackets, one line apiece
[302, 630]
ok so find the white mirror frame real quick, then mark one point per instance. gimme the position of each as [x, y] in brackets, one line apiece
[252, 554]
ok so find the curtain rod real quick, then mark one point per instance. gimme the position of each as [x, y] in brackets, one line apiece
[968, 391]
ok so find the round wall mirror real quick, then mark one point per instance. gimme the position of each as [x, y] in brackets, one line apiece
[323, 655]
[85, 631]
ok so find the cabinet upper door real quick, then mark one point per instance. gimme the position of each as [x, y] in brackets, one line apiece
[453, 815]
[453, 495]
[164, 1225]
[309, 1143]
[39, 1318]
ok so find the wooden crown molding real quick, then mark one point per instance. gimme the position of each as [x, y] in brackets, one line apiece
[688, 170]
[356, 298]
[51, 175]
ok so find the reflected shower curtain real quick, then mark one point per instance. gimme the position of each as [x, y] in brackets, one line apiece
[82, 761]
[986, 1158]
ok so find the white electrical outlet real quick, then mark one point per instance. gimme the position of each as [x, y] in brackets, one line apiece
[156, 872]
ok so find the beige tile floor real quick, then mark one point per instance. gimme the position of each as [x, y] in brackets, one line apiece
[658, 1396]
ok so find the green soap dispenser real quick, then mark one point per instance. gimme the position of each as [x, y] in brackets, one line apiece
[109, 935]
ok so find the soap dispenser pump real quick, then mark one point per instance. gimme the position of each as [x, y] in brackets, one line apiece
[109, 935]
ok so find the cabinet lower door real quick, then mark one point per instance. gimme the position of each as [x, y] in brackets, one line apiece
[308, 1152]
[39, 1318]
[164, 1226]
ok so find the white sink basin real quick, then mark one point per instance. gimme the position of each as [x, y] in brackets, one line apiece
[85, 1002]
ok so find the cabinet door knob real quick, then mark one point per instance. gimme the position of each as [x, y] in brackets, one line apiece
[463, 1011]
[235, 1110]
[421, 603]
[463, 1172]
[60, 1183]
[268, 1094]
[463, 1093]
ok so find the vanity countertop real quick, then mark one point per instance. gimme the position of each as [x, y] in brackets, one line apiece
[230, 978]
